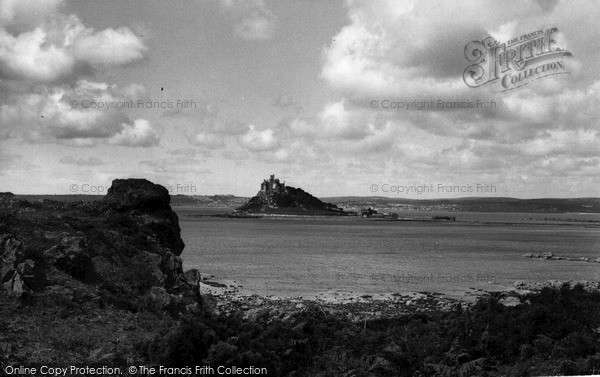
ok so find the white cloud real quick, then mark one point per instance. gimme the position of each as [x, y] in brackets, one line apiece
[411, 51]
[43, 56]
[59, 46]
[108, 47]
[256, 141]
[138, 134]
[48, 115]
[336, 121]
[28, 57]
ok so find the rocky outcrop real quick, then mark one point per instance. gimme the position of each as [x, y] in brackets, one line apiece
[128, 243]
[590, 286]
[149, 204]
[138, 194]
[14, 270]
[550, 256]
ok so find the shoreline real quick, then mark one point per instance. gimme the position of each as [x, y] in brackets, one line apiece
[229, 297]
[414, 219]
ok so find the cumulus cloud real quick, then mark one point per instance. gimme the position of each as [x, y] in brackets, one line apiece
[410, 49]
[62, 46]
[26, 57]
[336, 121]
[108, 47]
[257, 141]
[44, 57]
[48, 115]
[406, 51]
[137, 134]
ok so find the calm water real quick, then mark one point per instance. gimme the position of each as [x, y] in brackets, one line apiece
[291, 257]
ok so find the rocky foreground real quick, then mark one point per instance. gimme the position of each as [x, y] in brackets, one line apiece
[86, 270]
[126, 243]
[102, 284]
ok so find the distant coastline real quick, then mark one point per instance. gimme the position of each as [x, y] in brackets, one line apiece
[483, 204]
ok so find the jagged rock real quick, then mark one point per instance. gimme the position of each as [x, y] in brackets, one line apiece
[172, 262]
[7, 273]
[153, 261]
[192, 277]
[160, 296]
[11, 253]
[25, 269]
[16, 286]
[520, 285]
[546, 255]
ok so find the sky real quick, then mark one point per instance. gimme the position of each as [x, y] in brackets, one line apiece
[212, 96]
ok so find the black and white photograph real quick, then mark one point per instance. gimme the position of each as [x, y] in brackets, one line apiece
[299, 188]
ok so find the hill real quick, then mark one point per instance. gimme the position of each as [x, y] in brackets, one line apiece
[475, 204]
[276, 198]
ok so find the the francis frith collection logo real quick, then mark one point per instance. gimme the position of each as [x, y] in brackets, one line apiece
[515, 63]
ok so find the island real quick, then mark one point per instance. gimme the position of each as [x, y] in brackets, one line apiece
[275, 198]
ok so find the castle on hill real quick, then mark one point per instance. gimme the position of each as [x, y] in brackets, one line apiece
[269, 188]
[272, 185]
[275, 197]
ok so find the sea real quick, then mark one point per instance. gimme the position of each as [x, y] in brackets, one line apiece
[291, 257]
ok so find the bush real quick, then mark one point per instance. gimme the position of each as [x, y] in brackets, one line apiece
[552, 334]
[8, 221]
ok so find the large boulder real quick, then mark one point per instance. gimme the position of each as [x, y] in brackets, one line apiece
[139, 194]
[148, 203]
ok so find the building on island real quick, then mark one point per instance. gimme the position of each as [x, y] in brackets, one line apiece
[272, 185]
[271, 188]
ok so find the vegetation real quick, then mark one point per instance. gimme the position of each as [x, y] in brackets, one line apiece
[553, 332]
[556, 331]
